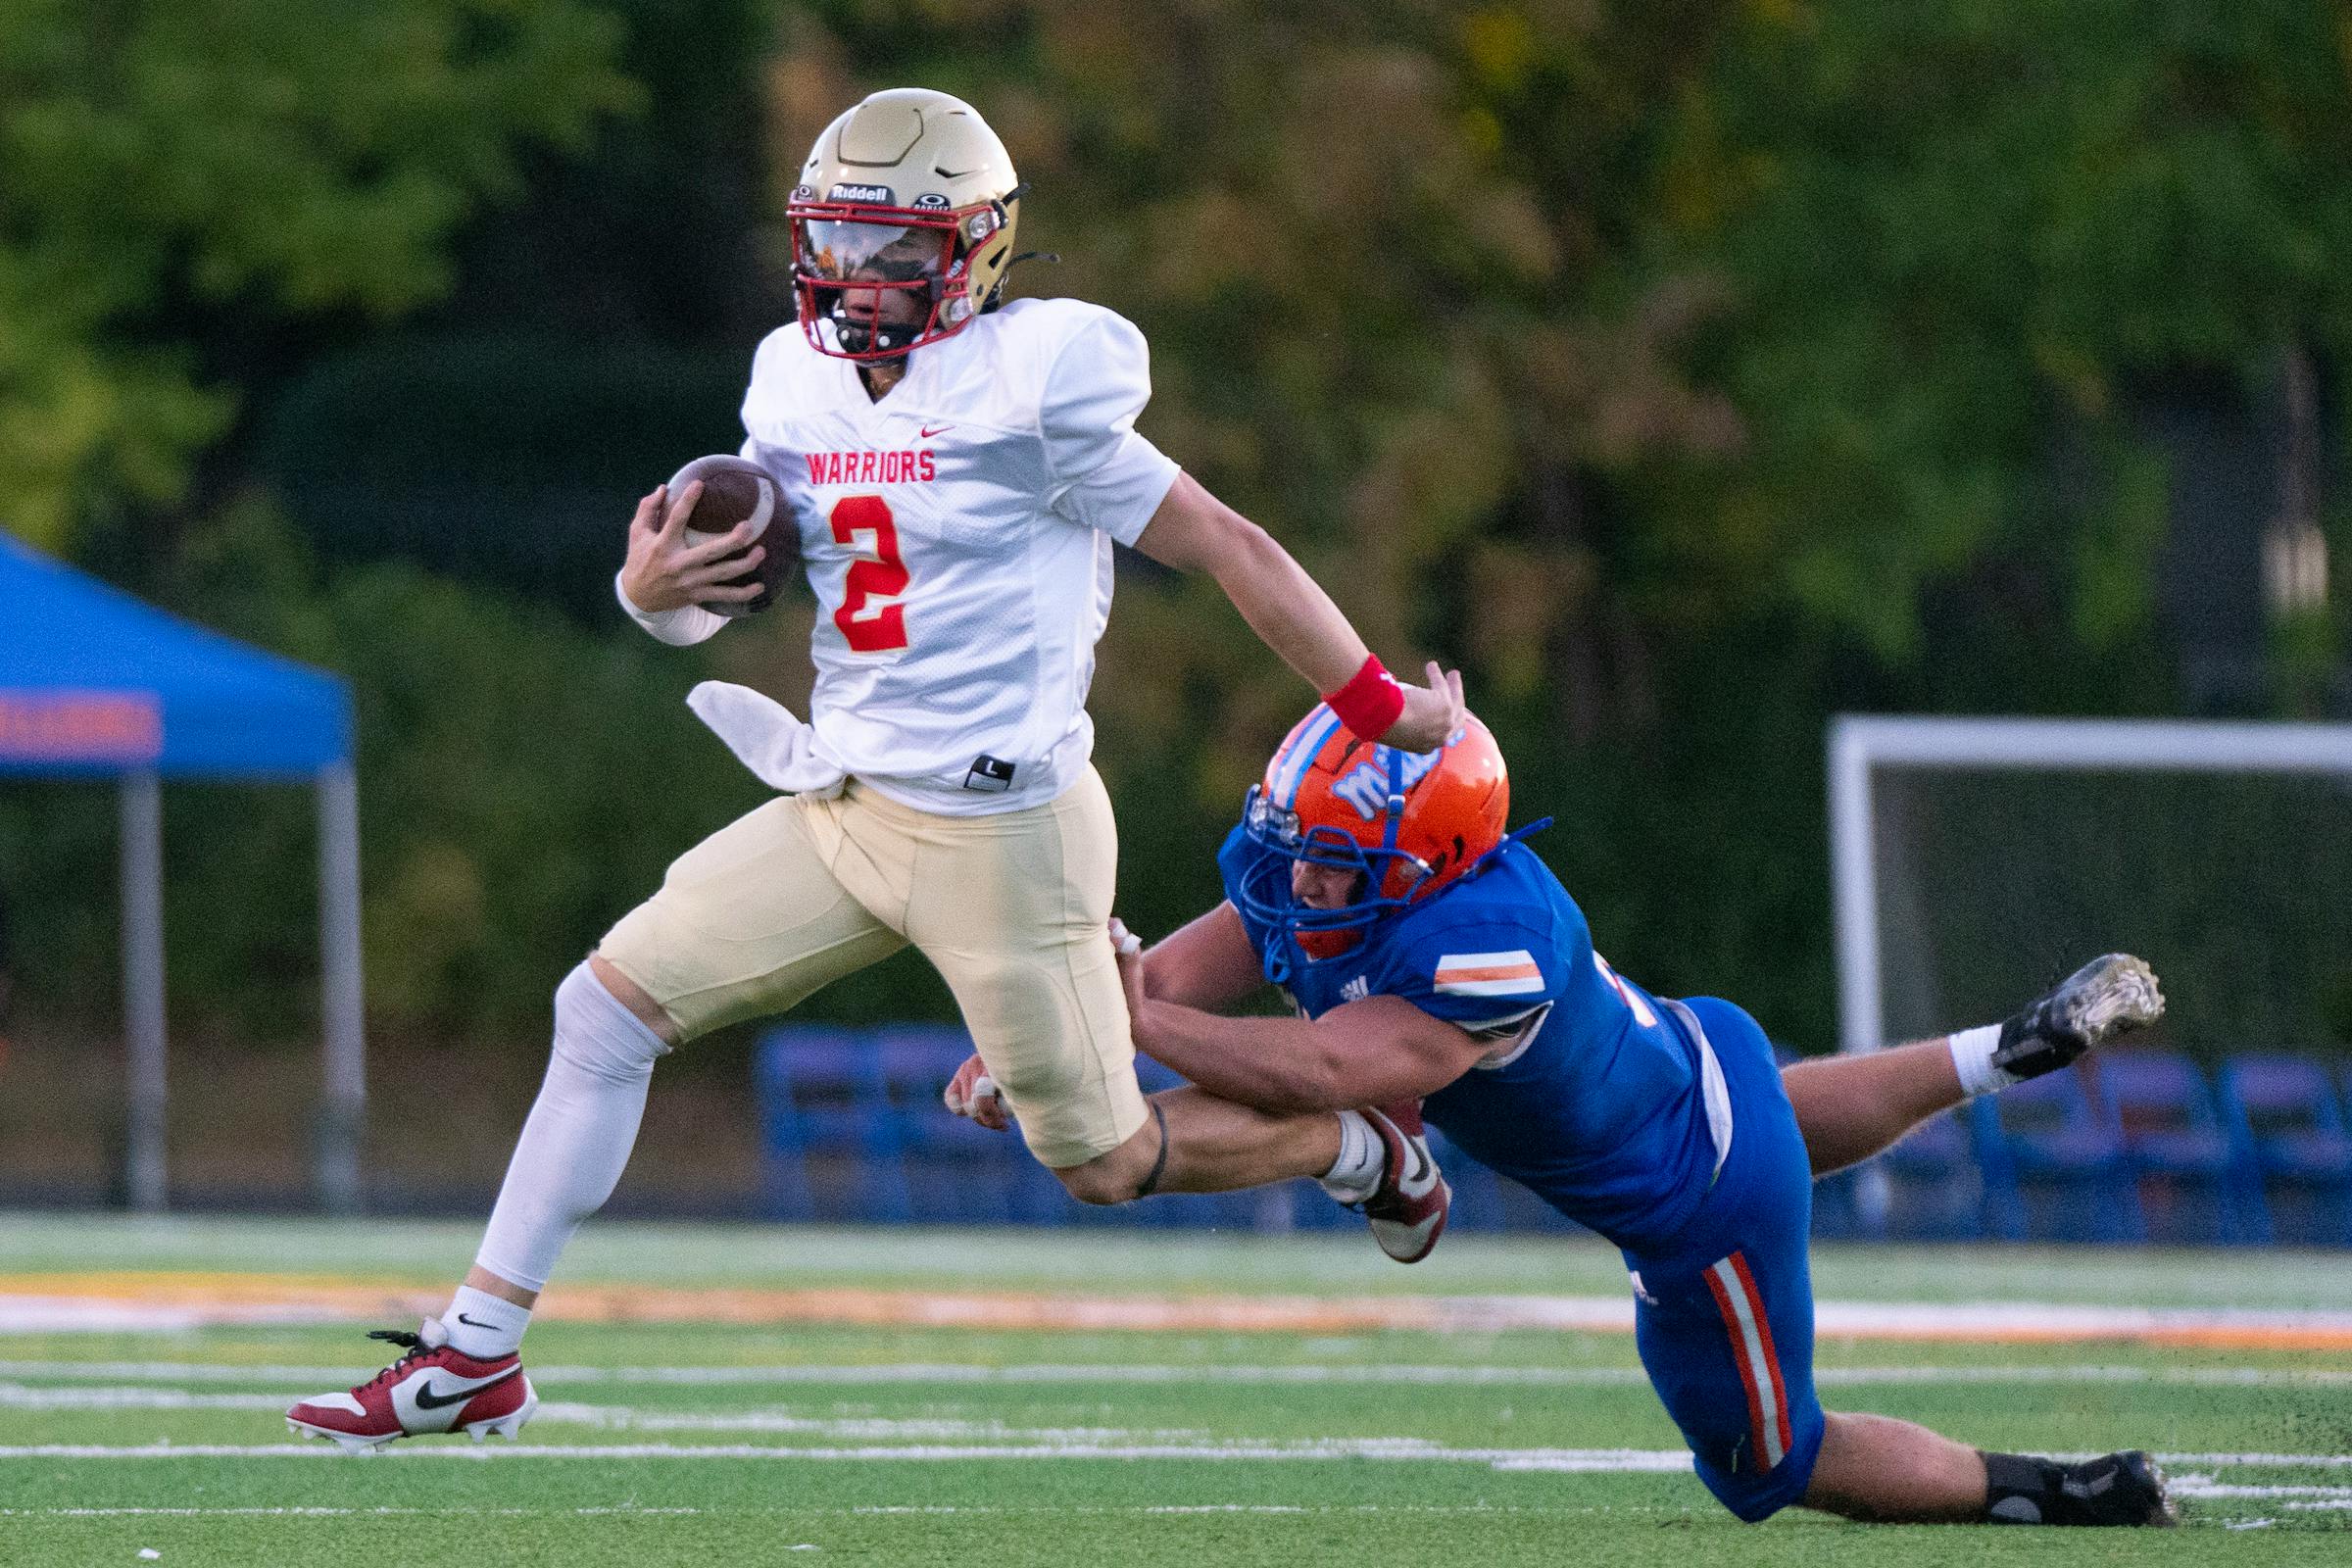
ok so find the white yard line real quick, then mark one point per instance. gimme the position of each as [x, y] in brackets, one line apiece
[1437, 1375]
[313, 1513]
[857, 1511]
[2334, 1504]
[1411, 1449]
[2004, 1321]
[18, 1396]
[79, 1314]
[620, 1417]
[1604, 1461]
[2260, 1462]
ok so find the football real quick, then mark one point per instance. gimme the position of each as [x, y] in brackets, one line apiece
[735, 489]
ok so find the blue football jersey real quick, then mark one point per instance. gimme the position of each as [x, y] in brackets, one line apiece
[1593, 1097]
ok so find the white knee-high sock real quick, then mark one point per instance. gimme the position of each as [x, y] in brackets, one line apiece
[576, 1141]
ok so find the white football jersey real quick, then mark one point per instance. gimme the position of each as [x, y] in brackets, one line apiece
[958, 536]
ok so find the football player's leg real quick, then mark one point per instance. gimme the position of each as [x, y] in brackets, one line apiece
[1728, 1343]
[1852, 1106]
[747, 923]
[1197, 1143]
[1014, 909]
[1723, 1311]
[1733, 1356]
[1876, 1468]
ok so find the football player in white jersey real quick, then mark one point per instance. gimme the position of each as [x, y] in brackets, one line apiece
[959, 467]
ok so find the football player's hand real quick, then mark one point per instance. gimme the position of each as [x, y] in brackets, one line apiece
[1130, 950]
[665, 572]
[972, 1092]
[1431, 712]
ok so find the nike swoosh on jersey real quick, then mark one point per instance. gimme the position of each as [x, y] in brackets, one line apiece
[431, 1399]
[1514, 973]
[930, 430]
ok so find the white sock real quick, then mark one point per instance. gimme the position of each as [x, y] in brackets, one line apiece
[484, 1326]
[1972, 1059]
[1355, 1174]
[579, 1134]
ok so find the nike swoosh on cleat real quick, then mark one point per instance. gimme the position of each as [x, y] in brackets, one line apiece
[429, 1399]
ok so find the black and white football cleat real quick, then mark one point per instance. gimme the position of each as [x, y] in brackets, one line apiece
[2105, 997]
[2114, 1491]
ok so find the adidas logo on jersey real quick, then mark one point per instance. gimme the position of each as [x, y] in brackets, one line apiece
[872, 468]
[1355, 990]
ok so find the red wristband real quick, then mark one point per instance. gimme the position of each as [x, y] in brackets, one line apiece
[1371, 700]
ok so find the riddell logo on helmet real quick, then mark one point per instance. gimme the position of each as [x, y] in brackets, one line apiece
[879, 195]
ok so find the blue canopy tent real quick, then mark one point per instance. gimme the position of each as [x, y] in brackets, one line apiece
[96, 684]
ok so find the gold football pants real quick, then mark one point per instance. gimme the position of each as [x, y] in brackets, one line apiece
[1011, 908]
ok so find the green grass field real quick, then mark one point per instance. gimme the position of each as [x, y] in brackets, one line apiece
[708, 1444]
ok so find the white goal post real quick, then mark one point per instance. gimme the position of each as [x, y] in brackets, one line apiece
[1860, 746]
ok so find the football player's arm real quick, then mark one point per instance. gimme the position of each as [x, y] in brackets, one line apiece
[1194, 531]
[1207, 964]
[664, 582]
[1366, 1052]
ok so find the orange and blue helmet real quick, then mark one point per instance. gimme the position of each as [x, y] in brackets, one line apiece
[1408, 824]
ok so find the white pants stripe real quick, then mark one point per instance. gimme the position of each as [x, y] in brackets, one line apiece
[1742, 1308]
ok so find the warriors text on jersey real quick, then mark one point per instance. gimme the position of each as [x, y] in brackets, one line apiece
[958, 536]
[1597, 1095]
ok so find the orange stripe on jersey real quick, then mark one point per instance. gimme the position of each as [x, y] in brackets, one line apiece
[1513, 971]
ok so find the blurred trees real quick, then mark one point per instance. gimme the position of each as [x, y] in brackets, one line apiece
[1960, 236]
[160, 159]
[1688, 370]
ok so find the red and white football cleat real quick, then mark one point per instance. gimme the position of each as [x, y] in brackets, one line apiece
[1409, 1208]
[432, 1388]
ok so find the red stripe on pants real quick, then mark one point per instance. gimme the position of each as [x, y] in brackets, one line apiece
[1747, 1373]
[1772, 1357]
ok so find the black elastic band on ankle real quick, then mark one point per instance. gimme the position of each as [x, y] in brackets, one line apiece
[1158, 1166]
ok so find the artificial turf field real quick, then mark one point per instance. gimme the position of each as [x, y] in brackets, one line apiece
[723, 1395]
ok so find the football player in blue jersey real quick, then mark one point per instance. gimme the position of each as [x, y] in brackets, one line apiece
[1431, 955]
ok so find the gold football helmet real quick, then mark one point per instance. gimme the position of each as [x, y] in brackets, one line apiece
[901, 224]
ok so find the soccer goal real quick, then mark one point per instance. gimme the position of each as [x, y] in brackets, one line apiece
[1977, 861]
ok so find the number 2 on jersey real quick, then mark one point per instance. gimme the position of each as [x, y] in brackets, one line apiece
[870, 618]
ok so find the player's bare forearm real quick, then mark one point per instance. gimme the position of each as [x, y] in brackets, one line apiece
[1271, 1064]
[1207, 964]
[1194, 531]
[1368, 1052]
